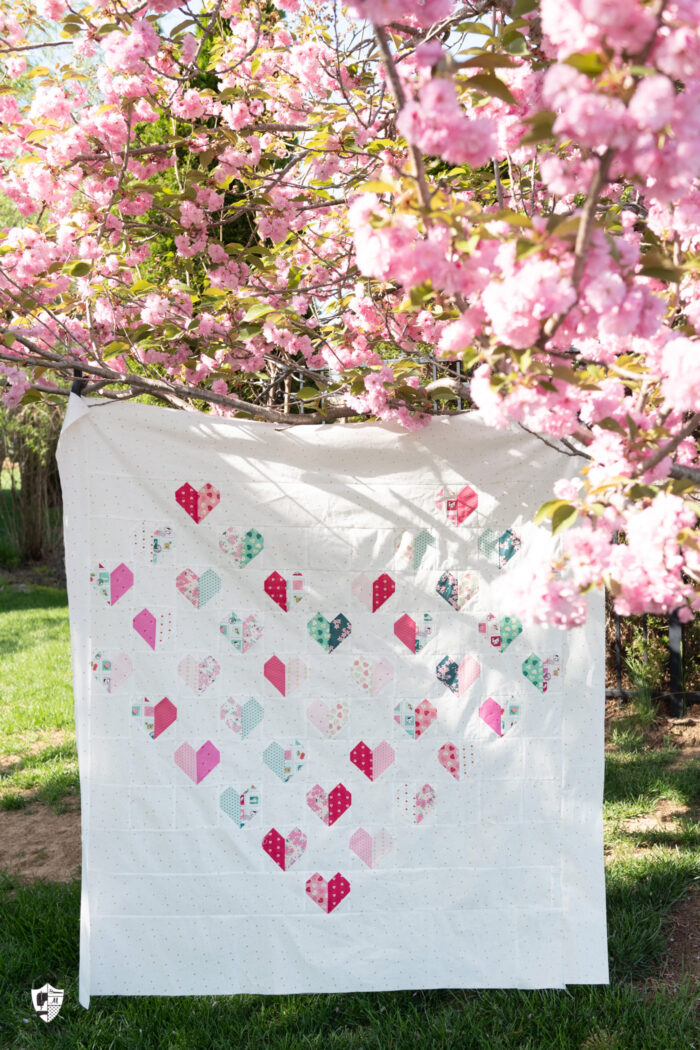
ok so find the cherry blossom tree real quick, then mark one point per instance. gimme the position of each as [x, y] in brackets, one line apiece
[396, 209]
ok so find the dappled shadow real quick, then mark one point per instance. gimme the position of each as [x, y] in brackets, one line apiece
[628, 776]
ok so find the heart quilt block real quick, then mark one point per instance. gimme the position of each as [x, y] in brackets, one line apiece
[327, 894]
[329, 633]
[111, 671]
[328, 720]
[198, 675]
[458, 676]
[541, 673]
[329, 807]
[499, 549]
[198, 504]
[373, 762]
[456, 760]
[198, 589]
[371, 849]
[197, 764]
[371, 675]
[285, 592]
[241, 547]
[112, 585]
[242, 718]
[155, 718]
[414, 635]
[240, 806]
[241, 633]
[284, 761]
[499, 719]
[458, 589]
[500, 633]
[285, 851]
[415, 720]
[457, 506]
[373, 593]
[285, 677]
[412, 547]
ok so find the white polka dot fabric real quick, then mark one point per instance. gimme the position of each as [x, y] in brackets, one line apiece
[316, 753]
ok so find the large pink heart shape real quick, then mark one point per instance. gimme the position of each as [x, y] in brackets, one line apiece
[371, 849]
[329, 807]
[328, 720]
[285, 677]
[327, 894]
[197, 504]
[372, 762]
[414, 635]
[197, 764]
[456, 760]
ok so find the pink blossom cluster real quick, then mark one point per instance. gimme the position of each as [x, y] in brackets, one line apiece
[435, 122]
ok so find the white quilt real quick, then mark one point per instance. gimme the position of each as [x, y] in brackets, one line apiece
[315, 754]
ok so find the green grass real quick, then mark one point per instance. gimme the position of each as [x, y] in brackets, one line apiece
[37, 735]
[648, 871]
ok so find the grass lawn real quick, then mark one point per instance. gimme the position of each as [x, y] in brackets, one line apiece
[650, 866]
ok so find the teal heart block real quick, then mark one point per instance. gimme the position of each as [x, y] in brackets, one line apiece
[284, 762]
[329, 633]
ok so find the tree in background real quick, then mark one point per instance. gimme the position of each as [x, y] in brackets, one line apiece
[503, 195]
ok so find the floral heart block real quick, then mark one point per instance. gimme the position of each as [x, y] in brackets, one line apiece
[414, 636]
[198, 504]
[371, 676]
[499, 719]
[241, 547]
[242, 634]
[412, 547]
[329, 633]
[457, 589]
[457, 506]
[285, 851]
[242, 718]
[111, 672]
[286, 678]
[198, 589]
[458, 677]
[329, 807]
[456, 760]
[112, 585]
[415, 720]
[541, 672]
[240, 806]
[499, 549]
[501, 634]
[373, 593]
[328, 720]
[284, 762]
[371, 849]
[197, 764]
[156, 718]
[198, 674]
[156, 544]
[372, 762]
[417, 806]
[327, 894]
[155, 630]
[285, 592]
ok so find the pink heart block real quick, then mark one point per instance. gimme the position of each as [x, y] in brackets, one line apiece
[284, 851]
[371, 849]
[371, 677]
[164, 714]
[145, 625]
[457, 507]
[120, 581]
[372, 763]
[329, 807]
[197, 504]
[285, 677]
[328, 720]
[456, 760]
[197, 764]
[413, 635]
[373, 593]
[327, 894]
[491, 713]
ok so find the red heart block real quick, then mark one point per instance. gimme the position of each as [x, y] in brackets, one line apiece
[164, 714]
[329, 807]
[276, 588]
[372, 763]
[327, 894]
[197, 504]
[382, 589]
[284, 851]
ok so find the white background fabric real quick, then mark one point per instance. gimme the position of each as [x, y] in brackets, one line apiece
[500, 884]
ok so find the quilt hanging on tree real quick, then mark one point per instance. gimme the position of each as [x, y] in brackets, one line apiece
[318, 753]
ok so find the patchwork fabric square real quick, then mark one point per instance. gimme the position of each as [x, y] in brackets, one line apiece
[318, 753]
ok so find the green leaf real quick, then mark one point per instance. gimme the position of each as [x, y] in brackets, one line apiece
[491, 85]
[547, 509]
[524, 7]
[517, 45]
[259, 310]
[79, 269]
[475, 27]
[487, 60]
[563, 518]
[638, 491]
[588, 62]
